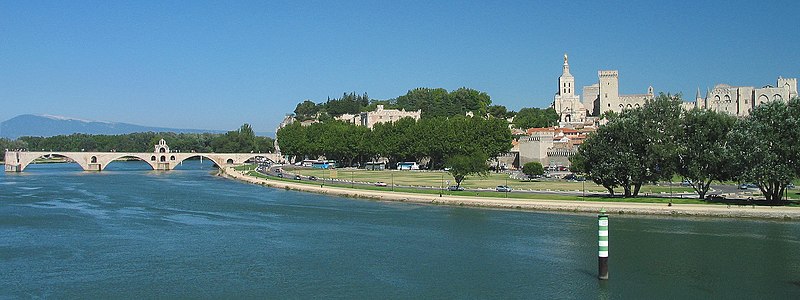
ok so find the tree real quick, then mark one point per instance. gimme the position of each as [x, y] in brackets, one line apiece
[466, 99]
[607, 156]
[535, 117]
[305, 110]
[765, 147]
[533, 169]
[499, 111]
[437, 102]
[636, 147]
[242, 140]
[703, 154]
[11, 145]
[462, 166]
[432, 102]
[348, 104]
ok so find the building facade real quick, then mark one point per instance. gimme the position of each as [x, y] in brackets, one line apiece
[551, 146]
[380, 115]
[740, 100]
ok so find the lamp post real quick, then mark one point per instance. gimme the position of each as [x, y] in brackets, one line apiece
[670, 188]
[584, 186]
[506, 189]
[441, 185]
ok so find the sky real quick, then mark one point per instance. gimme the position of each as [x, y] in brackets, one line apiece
[219, 64]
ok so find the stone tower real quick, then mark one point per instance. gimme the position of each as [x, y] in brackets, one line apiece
[609, 90]
[790, 84]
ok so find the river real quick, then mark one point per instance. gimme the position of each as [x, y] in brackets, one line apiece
[128, 232]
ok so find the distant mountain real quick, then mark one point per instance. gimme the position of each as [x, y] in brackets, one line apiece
[48, 125]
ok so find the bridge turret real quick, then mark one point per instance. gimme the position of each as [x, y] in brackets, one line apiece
[161, 147]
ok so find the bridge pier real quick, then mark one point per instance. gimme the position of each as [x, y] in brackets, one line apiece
[13, 167]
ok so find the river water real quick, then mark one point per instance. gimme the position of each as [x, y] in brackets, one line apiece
[130, 233]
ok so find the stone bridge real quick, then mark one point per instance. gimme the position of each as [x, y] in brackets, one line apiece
[161, 159]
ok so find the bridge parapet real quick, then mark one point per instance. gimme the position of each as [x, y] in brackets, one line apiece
[17, 161]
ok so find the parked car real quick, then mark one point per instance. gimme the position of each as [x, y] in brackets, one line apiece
[743, 186]
[686, 183]
[381, 183]
[280, 175]
[297, 177]
[455, 188]
[312, 178]
[714, 197]
[503, 188]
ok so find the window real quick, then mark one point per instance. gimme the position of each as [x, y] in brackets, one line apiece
[153, 158]
[94, 159]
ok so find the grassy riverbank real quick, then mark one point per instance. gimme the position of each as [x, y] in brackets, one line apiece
[435, 183]
[443, 179]
[524, 201]
[415, 182]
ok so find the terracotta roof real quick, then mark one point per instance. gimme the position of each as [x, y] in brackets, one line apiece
[540, 129]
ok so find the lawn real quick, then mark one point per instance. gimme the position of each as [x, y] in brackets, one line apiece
[438, 179]
[492, 194]
[409, 181]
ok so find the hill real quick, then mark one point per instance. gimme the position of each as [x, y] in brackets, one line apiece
[48, 125]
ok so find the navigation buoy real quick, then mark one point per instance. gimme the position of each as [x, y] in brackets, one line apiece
[602, 237]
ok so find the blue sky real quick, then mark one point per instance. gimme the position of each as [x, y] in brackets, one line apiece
[216, 65]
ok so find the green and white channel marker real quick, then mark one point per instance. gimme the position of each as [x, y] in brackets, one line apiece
[602, 237]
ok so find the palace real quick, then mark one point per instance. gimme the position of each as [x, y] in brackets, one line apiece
[604, 96]
[598, 98]
[740, 100]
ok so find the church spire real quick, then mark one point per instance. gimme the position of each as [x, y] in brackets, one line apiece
[697, 96]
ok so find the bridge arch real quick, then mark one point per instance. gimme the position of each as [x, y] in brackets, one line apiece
[110, 159]
[25, 161]
[254, 156]
[180, 159]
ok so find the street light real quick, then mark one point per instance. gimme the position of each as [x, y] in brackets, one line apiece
[441, 185]
[506, 189]
[584, 186]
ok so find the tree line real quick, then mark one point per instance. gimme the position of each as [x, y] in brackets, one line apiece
[434, 139]
[433, 102]
[242, 140]
[659, 140]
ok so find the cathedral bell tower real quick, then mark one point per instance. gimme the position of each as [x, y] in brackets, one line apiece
[568, 105]
[566, 81]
